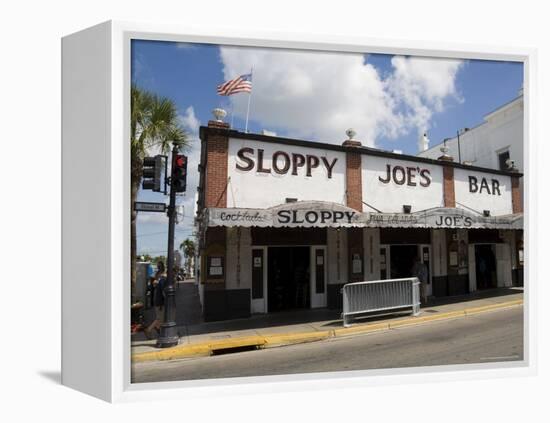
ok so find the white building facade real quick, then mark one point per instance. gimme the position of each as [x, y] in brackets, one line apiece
[284, 224]
[498, 139]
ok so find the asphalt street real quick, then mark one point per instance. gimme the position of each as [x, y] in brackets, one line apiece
[488, 337]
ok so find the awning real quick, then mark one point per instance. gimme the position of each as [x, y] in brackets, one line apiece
[443, 217]
[318, 214]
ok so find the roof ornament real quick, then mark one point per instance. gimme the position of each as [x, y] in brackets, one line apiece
[445, 150]
[351, 134]
[219, 114]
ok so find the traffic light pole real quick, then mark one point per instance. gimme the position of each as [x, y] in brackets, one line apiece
[168, 336]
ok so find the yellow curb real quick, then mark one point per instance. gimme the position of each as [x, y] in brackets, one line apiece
[422, 319]
[481, 309]
[197, 350]
[245, 341]
[172, 353]
[354, 330]
[295, 338]
[206, 348]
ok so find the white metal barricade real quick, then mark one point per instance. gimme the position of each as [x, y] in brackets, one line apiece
[373, 296]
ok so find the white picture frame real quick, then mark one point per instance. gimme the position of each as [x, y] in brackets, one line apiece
[96, 303]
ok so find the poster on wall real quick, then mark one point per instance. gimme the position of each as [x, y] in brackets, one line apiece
[453, 258]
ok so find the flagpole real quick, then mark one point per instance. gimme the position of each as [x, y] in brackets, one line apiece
[248, 107]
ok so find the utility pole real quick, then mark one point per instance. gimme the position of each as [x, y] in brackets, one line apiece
[168, 336]
[458, 145]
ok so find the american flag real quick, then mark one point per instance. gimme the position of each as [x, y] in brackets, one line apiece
[240, 84]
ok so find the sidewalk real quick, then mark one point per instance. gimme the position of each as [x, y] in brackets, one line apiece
[284, 328]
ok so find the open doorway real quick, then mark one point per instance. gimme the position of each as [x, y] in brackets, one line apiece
[402, 258]
[486, 276]
[288, 278]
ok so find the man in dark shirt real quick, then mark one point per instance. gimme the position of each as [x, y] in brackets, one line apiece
[158, 300]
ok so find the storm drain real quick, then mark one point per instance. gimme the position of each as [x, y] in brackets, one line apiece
[232, 350]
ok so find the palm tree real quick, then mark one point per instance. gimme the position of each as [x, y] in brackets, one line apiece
[188, 248]
[154, 123]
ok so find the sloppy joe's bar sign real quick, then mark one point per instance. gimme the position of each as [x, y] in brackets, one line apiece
[442, 218]
[388, 183]
[281, 162]
[321, 214]
[310, 214]
[410, 175]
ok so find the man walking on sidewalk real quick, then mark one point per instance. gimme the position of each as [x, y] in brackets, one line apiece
[420, 271]
[158, 300]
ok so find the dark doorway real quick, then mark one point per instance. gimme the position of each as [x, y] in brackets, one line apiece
[486, 276]
[288, 278]
[402, 260]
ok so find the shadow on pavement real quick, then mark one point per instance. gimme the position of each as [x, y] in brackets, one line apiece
[190, 322]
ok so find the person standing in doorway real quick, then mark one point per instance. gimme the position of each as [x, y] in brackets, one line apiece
[158, 299]
[420, 270]
[482, 266]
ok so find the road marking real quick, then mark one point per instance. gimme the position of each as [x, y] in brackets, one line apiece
[506, 357]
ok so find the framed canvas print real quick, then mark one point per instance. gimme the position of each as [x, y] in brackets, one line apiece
[240, 210]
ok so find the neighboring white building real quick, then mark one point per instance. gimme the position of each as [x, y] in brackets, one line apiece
[491, 143]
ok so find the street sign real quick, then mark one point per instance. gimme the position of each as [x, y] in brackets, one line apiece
[149, 207]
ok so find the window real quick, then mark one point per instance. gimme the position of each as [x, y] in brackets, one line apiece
[502, 158]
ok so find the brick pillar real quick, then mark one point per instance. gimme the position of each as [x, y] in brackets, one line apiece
[354, 199]
[448, 182]
[216, 164]
[354, 190]
[449, 186]
[214, 251]
[517, 204]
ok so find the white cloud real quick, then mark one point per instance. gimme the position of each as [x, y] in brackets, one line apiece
[318, 95]
[190, 121]
[422, 85]
[151, 218]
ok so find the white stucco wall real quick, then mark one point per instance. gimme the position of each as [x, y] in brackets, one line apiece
[439, 252]
[503, 258]
[239, 252]
[337, 253]
[371, 247]
[482, 200]
[262, 190]
[390, 197]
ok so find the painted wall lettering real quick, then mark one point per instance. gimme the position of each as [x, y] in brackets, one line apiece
[477, 186]
[314, 216]
[283, 157]
[246, 162]
[282, 162]
[411, 175]
[329, 166]
[454, 221]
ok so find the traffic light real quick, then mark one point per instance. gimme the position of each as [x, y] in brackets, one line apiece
[152, 173]
[179, 173]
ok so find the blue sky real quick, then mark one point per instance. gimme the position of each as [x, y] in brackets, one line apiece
[316, 96]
